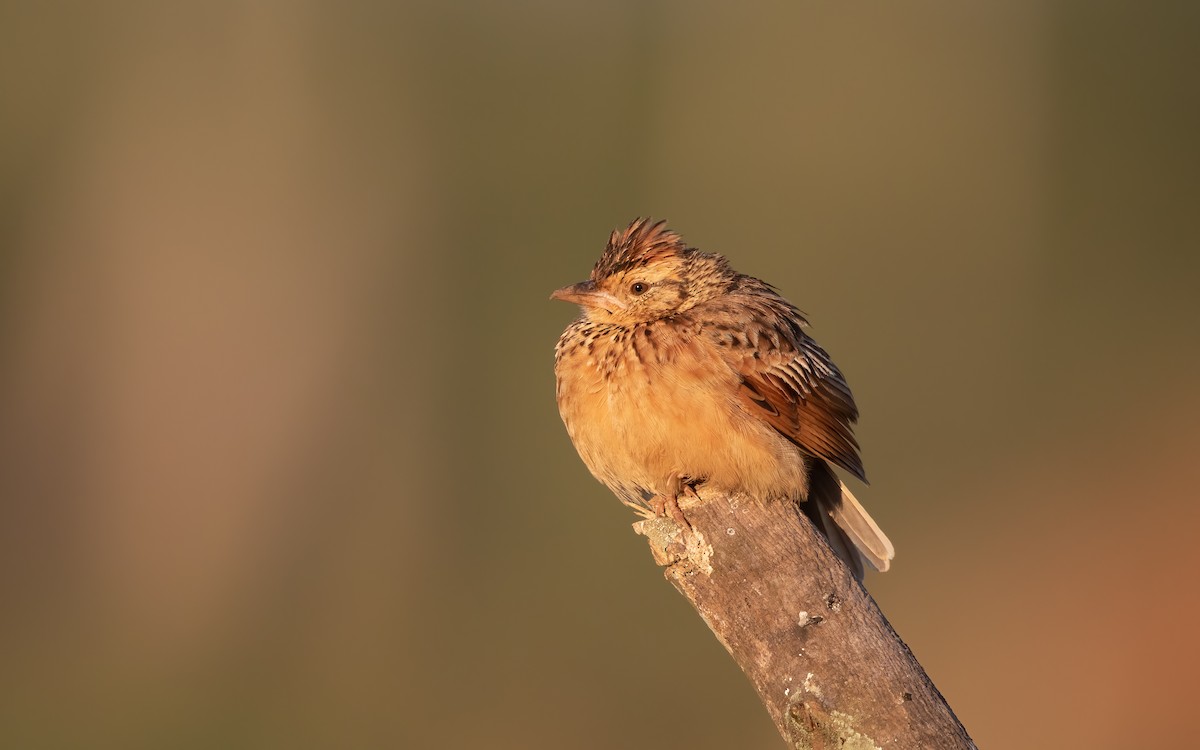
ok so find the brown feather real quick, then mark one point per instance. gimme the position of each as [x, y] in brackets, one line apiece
[640, 244]
[790, 382]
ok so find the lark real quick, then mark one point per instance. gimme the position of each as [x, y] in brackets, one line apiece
[682, 372]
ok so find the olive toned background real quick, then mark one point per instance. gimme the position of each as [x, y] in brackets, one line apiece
[280, 464]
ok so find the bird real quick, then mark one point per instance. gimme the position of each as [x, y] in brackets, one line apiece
[681, 373]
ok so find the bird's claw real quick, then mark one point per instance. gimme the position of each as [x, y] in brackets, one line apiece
[667, 506]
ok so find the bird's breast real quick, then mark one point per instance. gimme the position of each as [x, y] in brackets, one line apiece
[646, 404]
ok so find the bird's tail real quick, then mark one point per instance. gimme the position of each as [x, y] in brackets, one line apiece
[851, 531]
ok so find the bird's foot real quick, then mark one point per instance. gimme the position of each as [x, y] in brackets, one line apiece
[667, 506]
[647, 509]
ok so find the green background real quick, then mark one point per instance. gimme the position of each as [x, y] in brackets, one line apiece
[280, 464]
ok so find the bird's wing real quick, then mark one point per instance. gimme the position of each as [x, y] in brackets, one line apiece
[789, 381]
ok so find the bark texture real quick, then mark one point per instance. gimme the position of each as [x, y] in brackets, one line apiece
[825, 661]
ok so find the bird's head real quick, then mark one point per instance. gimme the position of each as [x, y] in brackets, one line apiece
[647, 273]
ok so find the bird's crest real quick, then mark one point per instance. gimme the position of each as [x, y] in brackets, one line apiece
[642, 243]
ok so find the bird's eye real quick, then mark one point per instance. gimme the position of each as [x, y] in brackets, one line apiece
[638, 287]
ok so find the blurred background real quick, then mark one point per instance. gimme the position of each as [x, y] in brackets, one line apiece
[280, 464]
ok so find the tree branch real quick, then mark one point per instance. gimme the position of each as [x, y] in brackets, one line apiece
[826, 663]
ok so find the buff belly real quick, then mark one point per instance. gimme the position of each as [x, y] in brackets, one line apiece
[652, 422]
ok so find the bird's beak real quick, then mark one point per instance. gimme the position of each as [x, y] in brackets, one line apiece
[584, 293]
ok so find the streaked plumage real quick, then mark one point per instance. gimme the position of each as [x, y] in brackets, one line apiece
[683, 371]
